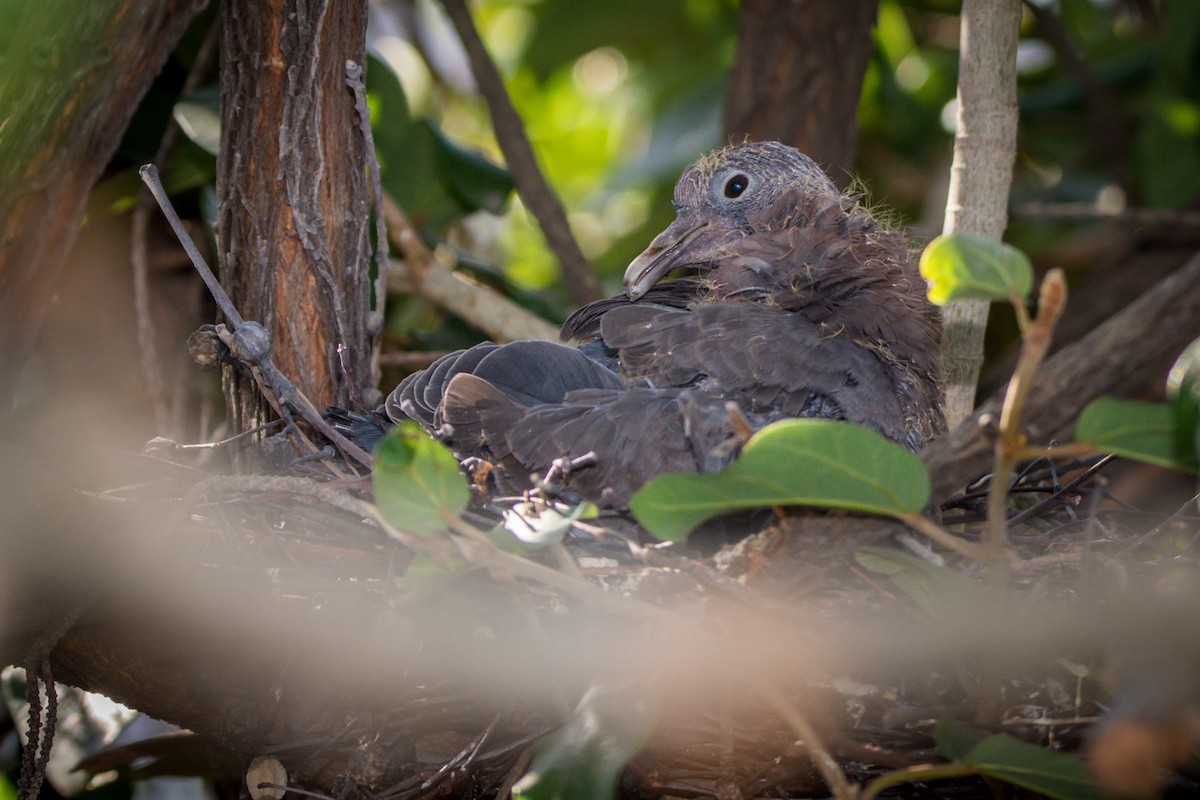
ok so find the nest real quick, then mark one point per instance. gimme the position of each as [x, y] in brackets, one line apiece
[736, 674]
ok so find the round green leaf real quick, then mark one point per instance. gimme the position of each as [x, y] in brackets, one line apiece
[967, 267]
[1050, 773]
[583, 759]
[1144, 431]
[199, 117]
[417, 481]
[1183, 391]
[806, 462]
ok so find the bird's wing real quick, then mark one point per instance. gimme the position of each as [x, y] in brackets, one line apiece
[584, 324]
[772, 361]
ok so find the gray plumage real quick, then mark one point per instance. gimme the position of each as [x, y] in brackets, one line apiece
[802, 306]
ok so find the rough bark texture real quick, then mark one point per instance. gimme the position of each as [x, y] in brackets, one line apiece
[985, 144]
[294, 199]
[782, 87]
[68, 94]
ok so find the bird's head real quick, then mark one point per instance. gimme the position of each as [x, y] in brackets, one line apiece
[718, 200]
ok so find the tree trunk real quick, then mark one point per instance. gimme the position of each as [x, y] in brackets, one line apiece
[985, 145]
[784, 84]
[294, 198]
[68, 94]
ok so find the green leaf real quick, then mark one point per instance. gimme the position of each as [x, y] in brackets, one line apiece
[199, 117]
[417, 481]
[472, 180]
[1183, 392]
[434, 180]
[807, 462]
[1049, 772]
[1148, 432]
[583, 759]
[955, 739]
[940, 592]
[966, 267]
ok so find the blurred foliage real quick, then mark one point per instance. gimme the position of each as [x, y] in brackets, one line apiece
[618, 100]
[619, 97]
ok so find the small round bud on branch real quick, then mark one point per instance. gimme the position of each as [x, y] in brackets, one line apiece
[251, 342]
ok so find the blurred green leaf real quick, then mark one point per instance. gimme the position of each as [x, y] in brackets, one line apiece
[472, 180]
[955, 739]
[417, 481]
[807, 462]
[1148, 432]
[583, 759]
[435, 181]
[939, 591]
[1183, 392]
[1049, 772]
[199, 117]
[968, 267]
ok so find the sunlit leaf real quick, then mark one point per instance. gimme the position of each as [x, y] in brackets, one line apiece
[417, 481]
[583, 759]
[435, 181]
[794, 462]
[199, 117]
[967, 267]
[939, 591]
[1183, 391]
[1049, 772]
[474, 181]
[1149, 432]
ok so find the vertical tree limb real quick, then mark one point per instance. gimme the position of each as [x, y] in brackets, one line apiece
[580, 281]
[294, 197]
[980, 176]
[782, 86]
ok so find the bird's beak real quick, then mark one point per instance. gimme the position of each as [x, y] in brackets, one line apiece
[670, 249]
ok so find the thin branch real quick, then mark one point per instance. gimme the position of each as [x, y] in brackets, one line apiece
[920, 772]
[140, 223]
[491, 312]
[946, 539]
[539, 198]
[984, 148]
[826, 764]
[1090, 212]
[271, 378]
[1037, 336]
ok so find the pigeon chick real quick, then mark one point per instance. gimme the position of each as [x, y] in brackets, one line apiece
[801, 305]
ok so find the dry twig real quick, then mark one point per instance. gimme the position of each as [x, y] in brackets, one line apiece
[491, 312]
[578, 277]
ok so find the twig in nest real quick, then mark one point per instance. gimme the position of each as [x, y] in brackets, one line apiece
[822, 759]
[249, 341]
[1059, 496]
[539, 198]
[491, 312]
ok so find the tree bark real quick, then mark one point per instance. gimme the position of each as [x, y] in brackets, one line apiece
[985, 143]
[294, 197]
[69, 93]
[784, 85]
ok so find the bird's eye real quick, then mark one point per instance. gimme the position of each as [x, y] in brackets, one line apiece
[736, 185]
